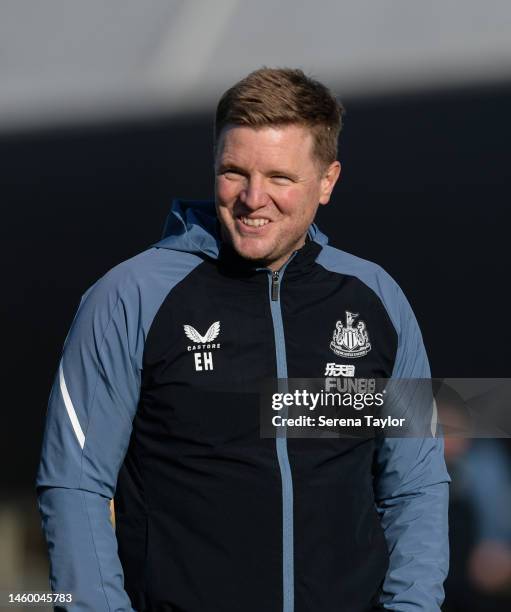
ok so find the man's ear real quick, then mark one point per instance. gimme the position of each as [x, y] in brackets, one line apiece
[328, 180]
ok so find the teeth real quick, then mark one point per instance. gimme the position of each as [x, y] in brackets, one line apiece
[254, 222]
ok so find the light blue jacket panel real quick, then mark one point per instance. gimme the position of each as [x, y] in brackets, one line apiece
[411, 483]
[92, 405]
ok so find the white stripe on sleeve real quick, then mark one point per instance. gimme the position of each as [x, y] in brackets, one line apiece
[70, 408]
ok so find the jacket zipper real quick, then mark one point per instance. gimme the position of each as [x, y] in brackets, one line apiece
[275, 286]
[281, 444]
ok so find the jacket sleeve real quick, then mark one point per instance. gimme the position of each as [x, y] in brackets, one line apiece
[88, 427]
[411, 492]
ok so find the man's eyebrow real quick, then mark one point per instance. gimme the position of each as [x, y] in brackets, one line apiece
[223, 166]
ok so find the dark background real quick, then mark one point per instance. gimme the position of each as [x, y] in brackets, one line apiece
[424, 193]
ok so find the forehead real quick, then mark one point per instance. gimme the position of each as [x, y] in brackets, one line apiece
[289, 144]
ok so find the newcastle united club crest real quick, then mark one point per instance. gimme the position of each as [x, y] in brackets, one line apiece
[349, 341]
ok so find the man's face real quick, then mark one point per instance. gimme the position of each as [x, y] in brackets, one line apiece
[267, 190]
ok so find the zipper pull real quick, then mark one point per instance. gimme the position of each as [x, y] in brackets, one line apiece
[275, 286]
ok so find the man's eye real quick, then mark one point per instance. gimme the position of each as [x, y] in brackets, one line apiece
[281, 179]
[231, 173]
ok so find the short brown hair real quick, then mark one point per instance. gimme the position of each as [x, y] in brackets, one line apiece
[283, 96]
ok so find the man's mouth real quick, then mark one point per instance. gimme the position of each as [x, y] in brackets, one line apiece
[254, 222]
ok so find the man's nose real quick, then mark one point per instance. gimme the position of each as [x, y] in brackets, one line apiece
[254, 194]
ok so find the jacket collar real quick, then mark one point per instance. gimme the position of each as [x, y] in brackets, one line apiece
[301, 260]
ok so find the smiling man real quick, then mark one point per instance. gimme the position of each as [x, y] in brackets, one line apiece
[269, 185]
[154, 400]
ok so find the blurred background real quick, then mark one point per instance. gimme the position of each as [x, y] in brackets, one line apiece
[106, 113]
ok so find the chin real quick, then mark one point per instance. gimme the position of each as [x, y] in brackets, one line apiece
[252, 254]
[250, 250]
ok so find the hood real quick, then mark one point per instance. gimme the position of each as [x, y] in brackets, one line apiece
[192, 226]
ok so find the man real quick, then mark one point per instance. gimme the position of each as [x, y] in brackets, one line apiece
[150, 402]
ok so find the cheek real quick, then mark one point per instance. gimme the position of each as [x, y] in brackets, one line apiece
[287, 198]
[298, 203]
[226, 191]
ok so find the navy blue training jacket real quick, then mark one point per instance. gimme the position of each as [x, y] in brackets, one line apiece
[150, 406]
